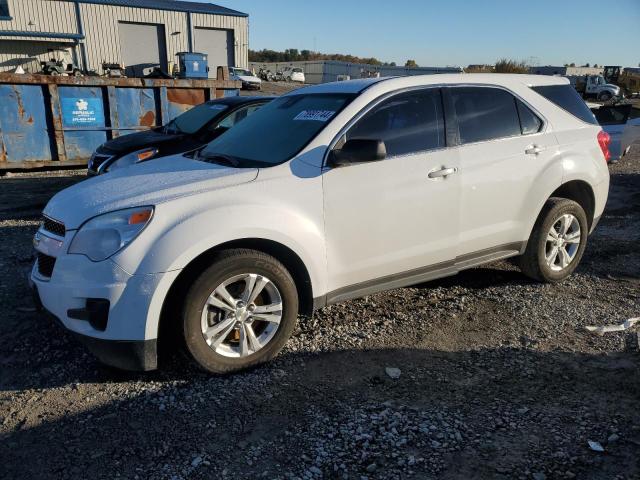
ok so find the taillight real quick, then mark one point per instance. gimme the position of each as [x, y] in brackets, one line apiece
[604, 140]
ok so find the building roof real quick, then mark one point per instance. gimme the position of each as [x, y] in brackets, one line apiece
[172, 5]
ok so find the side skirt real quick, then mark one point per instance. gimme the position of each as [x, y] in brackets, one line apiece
[420, 275]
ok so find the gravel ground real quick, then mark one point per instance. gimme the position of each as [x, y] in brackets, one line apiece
[482, 375]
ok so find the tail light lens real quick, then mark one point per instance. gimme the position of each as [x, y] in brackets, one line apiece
[604, 140]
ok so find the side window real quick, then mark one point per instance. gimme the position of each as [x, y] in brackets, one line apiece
[4, 8]
[485, 113]
[529, 121]
[407, 123]
[236, 117]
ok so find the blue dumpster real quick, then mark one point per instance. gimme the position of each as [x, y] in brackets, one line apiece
[59, 121]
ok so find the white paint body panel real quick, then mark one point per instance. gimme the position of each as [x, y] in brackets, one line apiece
[348, 225]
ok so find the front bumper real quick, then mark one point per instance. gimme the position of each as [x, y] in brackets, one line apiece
[251, 86]
[128, 337]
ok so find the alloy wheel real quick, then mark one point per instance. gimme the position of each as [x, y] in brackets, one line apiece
[241, 315]
[563, 242]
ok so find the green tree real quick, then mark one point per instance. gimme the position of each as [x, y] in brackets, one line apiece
[411, 64]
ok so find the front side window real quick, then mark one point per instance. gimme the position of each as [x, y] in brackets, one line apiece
[195, 119]
[485, 113]
[278, 130]
[4, 8]
[409, 122]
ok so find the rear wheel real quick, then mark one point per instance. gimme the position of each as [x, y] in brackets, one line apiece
[239, 312]
[557, 242]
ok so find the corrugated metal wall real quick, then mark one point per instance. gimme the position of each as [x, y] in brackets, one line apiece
[41, 16]
[101, 27]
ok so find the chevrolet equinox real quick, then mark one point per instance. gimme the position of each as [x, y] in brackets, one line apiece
[328, 193]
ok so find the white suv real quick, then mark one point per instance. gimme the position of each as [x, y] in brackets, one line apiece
[328, 193]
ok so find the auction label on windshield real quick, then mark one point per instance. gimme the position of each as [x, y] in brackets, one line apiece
[315, 115]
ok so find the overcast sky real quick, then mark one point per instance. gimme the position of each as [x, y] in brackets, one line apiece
[451, 32]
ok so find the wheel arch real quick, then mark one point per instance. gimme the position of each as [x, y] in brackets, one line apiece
[580, 192]
[168, 326]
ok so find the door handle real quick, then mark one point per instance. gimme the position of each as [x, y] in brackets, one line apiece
[533, 150]
[442, 173]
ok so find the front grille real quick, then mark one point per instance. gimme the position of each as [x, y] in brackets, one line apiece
[53, 226]
[45, 265]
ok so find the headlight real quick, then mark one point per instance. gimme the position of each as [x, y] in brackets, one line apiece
[132, 159]
[104, 235]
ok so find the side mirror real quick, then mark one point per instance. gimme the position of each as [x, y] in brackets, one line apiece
[358, 150]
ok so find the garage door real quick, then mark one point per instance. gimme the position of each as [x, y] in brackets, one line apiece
[29, 54]
[142, 46]
[218, 45]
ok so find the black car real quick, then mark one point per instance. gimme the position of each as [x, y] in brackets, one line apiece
[189, 131]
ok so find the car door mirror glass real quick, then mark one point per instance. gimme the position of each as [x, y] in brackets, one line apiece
[358, 150]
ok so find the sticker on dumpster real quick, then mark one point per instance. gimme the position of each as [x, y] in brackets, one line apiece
[317, 115]
[82, 112]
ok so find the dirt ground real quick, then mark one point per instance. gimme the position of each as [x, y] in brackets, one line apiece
[498, 378]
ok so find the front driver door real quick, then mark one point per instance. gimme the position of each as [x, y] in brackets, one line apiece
[387, 221]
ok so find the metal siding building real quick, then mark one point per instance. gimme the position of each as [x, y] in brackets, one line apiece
[323, 71]
[139, 31]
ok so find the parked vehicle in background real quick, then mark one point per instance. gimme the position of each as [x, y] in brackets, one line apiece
[629, 81]
[328, 193]
[595, 86]
[60, 63]
[248, 79]
[189, 131]
[294, 75]
[622, 123]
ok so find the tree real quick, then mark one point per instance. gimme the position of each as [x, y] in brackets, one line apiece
[572, 64]
[411, 64]
[595, 65]
[505, 65]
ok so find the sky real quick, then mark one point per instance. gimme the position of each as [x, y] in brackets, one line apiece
[451, 32]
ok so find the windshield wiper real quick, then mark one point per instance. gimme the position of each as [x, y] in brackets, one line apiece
[219, 158]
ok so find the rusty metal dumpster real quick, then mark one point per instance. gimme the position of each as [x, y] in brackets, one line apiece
[59, 121]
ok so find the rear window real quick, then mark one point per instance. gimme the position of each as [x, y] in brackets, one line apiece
[566, 97]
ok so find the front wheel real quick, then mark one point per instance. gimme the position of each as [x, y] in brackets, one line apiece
[605, 96]
[557, 242]
[239, 312]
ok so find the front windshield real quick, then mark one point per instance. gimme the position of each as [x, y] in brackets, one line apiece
[193, 120]
[245, 73]
[278, 131]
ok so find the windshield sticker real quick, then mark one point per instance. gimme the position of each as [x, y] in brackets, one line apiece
[315, 115]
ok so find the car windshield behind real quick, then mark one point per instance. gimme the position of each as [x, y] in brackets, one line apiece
[278, 131]
[242, 73]
[193, 120]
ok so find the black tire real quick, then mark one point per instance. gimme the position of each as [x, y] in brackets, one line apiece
[227, 264]
[605, 97]
[533, 262]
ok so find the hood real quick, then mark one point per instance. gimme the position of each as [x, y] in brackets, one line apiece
[139, 140]
[148, 183]
[249, 78]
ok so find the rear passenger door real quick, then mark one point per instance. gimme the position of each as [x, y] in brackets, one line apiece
[504, 150]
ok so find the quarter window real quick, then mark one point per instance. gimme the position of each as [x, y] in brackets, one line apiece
[409, 122]
[529, 121]
[485, 114]
[4, 8]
